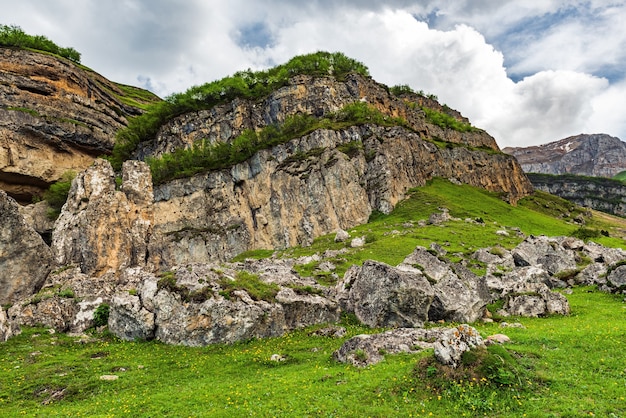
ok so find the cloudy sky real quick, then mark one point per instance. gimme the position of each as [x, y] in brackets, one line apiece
[529, 72]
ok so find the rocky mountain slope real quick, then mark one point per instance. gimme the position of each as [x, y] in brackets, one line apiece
[125, 232]
[567, 169]
[55, 116]
[597, 155]
[603, 194]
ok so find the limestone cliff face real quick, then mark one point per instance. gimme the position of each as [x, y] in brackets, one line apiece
[101, 229]
[291, 193]
[317, 96]
[55, 116]
[597, 155]
[606, 195]
[281, 197]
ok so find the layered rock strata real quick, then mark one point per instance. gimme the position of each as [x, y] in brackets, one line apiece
[56, 116]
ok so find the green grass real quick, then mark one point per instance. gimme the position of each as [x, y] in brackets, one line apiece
[134, 96]
[574, 368]
[620, 176]
[392, 237]
[556, 367]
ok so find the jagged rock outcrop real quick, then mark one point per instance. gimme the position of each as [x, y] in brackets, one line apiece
[101, 229]
[305, 94]
[55, 116]
[25, 259]
[459, 294]
[597, 155]
[194, 309]
[383, 296]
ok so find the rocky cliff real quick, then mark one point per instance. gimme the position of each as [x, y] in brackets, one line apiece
[597, 155]
[290, 193]
[606, 195]
[122, 232]
[55, 116]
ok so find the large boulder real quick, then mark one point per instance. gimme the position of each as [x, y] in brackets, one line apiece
[535, 299]
[383, 296]
[459, 294]
[616, 279]
[101, 229]
[459, 297]
[25, 259]
[8, 328]
[544, 252]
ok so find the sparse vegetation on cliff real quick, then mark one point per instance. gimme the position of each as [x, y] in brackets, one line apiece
[205, 156]
[445, 121]
[11, 35]
[247, 84]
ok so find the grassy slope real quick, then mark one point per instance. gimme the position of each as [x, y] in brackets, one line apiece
[578, 360]
[393, 238]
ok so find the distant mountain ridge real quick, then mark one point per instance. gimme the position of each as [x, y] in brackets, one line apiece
[597, 155]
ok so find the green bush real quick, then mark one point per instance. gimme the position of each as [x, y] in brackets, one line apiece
[15, 36]
[445, 121]
[57, 193]
[586, 234]
[401, 89]
[101, 315]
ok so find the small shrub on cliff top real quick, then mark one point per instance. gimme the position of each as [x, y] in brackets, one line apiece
[16, 37]
[445, 121]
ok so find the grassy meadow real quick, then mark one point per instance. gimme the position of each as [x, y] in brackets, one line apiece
[571, 366]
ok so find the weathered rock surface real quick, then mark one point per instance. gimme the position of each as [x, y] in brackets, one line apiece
[535, 299]
[597, 155]
[546, 253]
[616, 280]
[383, 296]
[69, 298]
[459, 295]
[101, 229]
[603, 194]
[304, 94]
[454, 342]
[25, 259]
[55, 117]
[8, 329]
[194, 312]
[366, 349]
[275, 200]
[564, 168]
